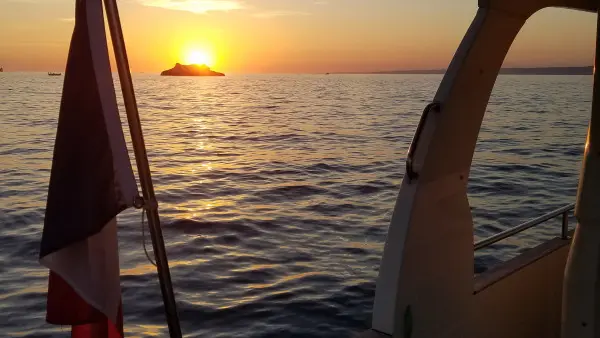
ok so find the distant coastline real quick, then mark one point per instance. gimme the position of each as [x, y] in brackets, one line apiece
[585, 70]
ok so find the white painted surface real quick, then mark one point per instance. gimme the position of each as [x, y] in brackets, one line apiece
[428, 257]
[427, 264]
[524, 304]
[581, 293]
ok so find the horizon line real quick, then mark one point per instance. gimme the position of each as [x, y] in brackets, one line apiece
[390, 71]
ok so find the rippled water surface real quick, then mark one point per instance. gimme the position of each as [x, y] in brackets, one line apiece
[276, 192]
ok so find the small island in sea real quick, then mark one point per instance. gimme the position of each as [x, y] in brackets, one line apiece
[190, 70]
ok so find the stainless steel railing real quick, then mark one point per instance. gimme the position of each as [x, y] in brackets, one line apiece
[411, 174]
[564, 211]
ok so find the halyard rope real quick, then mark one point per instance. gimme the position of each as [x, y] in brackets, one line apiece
[140, 203]
[144, 238]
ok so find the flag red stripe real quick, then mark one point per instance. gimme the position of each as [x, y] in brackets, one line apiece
[104, 329]
[66, 307]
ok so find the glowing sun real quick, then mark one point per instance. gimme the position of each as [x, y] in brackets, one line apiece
[199, 57]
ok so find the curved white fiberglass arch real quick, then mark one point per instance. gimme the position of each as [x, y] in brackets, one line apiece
[425, 287]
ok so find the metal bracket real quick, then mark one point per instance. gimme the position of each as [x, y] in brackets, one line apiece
[140, 203]
[410, 172]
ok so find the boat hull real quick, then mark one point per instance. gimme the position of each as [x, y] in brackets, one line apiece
[520, 298]
[426, 287]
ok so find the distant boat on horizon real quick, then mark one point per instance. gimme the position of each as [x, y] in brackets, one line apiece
[54, 74]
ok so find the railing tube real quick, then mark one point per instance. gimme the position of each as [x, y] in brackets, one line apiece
[564, 211]
[564, 234]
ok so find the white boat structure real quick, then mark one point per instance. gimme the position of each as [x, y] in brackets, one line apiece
[426, 286]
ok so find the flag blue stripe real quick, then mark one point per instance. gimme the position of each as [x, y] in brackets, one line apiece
[83, 194]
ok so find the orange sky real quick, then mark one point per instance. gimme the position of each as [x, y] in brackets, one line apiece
[288, 36]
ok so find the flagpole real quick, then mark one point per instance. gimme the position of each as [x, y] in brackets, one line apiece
[141, 158]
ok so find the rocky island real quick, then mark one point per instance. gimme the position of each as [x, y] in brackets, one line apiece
[190, 70]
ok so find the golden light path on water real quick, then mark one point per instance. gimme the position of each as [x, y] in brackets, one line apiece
[275, 192]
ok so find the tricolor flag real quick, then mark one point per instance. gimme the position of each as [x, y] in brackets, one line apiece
[91, 182]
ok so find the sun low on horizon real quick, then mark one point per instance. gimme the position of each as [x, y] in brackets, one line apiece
[199, 57]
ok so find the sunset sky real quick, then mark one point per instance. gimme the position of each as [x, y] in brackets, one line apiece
[288, 36]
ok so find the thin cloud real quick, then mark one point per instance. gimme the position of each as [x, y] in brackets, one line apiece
[195, 6]
[67, 19]
[273, 14]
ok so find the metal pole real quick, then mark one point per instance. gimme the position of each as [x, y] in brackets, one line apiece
[141, 158]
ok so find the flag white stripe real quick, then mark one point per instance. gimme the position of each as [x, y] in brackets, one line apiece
[91, 268]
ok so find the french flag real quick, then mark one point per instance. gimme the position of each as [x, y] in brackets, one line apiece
[91, 182]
